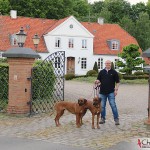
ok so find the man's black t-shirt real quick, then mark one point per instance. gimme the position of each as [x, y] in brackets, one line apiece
[108, 80]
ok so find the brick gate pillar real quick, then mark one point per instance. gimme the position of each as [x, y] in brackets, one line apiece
[20, 62]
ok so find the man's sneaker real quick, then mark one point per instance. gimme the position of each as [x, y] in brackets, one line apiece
[117, 122]
[102, 121]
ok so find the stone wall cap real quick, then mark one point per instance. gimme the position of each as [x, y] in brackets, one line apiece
[20, 52]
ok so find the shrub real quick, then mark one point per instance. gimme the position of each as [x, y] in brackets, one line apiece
[43, 80]
[3, 60]
[120, 75]
[139, 73]
[133, 77]
[91, 73]
[69, 76]
[95, 67]
[4, 76]
[80, 76]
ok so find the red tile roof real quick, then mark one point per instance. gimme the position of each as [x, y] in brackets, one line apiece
[31, 26]
[40, 26]
[106, 32]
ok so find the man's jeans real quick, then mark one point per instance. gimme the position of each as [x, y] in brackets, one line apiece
[111, 99]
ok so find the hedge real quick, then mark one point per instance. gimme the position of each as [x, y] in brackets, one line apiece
[133, 77]
[4, 76]
[69, 76]
[43, 81]
[91, 73]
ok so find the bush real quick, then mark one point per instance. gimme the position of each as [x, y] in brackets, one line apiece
[3, 60]
[80, 76]
[95, 67]
[91, 73]
[139, 73]
[43, 80]
[120, 75]
[4, 76]
[133, 77]
[69, 76]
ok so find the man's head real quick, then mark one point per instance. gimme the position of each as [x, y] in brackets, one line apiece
[108, 64]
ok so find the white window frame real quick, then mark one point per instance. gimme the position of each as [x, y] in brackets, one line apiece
[115, 45]
[83, 63]
[71, 43]
[100, 63]
[116, 67]
[57, 42]
[84, 43]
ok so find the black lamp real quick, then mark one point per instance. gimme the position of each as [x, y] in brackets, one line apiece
[21, 37]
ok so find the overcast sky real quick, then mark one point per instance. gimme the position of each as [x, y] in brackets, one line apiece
[131, 1]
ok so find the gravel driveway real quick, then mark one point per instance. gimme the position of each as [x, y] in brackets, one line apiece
[132, 102]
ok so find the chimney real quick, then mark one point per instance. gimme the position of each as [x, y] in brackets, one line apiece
[13, 14]
[101, 20]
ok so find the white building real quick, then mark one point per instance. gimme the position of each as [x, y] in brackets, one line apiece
[83, 42]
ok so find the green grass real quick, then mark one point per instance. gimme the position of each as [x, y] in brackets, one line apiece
[122, 81]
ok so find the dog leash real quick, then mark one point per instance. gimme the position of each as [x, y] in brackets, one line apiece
[93, 91]
[96, 90]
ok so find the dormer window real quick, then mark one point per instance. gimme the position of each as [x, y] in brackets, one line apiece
[113, 44]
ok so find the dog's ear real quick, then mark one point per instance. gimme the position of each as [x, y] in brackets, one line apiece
[85, 100]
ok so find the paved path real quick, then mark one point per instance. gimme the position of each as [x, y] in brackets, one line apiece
[132, 103]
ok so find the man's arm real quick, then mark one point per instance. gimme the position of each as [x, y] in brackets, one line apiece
[97, 81]
[117, 86]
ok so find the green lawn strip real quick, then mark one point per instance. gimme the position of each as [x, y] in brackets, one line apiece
[122, 81]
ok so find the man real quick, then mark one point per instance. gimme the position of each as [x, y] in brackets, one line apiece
[109, 83]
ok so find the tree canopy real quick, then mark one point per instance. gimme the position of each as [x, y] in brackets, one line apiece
[132, 60]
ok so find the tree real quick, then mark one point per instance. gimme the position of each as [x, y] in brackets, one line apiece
[119, 8]
[95, 67]
[143, 31]
[97, 6]
[4, 7]
[50, 9]
[132, 60]
[136, 10]
[127, 24]
[106, 14]
[81, 7]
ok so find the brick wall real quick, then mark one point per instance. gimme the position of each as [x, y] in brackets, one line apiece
[19, 86]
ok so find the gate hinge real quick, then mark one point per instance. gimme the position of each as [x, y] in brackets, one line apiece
[29, 78]
[29, 103]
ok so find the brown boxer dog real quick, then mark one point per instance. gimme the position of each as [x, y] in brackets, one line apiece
[76, 108]
[95, 108]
